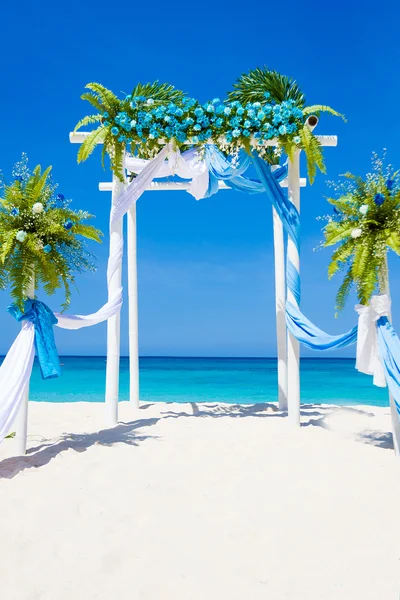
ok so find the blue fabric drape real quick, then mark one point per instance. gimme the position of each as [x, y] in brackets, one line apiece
[311, 336]
[221, 168]
[389, 352]
[43, 320]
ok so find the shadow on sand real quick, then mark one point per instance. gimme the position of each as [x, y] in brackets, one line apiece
[313, 415]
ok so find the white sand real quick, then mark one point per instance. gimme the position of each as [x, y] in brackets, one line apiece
[200, 503]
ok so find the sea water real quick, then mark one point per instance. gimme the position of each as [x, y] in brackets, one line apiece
[232, 380]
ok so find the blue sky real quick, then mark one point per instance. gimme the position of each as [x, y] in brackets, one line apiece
[206, 282]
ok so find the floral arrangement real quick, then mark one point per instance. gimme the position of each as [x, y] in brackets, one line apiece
[38, 235]
[263, 105]
[365, 224]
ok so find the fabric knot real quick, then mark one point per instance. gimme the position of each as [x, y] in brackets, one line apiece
[368, 359]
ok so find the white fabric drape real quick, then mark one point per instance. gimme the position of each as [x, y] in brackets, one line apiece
[189, 165]
[368, 360]
[15, 373]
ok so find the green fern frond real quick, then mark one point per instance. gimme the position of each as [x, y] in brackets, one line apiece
[109, 100]
[88, 231]
[88, 120]
[337, 232]
[316, 109]
[313, 151]
[340, 257]
[344, 291]
[94, 100]
[87, 147]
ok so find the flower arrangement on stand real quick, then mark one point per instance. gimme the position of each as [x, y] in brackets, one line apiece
[365, 224]
[264, 105]
[39, 235]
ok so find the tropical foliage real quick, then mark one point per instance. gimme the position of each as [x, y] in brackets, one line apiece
[365, 225]
[251, 87]
[264, 105]
[39, 235]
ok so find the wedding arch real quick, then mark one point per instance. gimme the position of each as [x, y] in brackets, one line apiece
[195, 174]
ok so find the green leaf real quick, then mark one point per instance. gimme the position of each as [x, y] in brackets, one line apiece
[313, 151]
[251, 87]
[316, 109]
[87, 147]
[89, 119]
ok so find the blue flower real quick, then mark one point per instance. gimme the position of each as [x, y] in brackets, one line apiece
[240, 111]
[195, 139]
[219, 122]
[246, 132]
[105, 115]
[390, 184]
[47, 248]
[216, 100]
[18, 178]
[197, 127]
[261, 115]
[68, 225]
[266, 95]
[106, 123]
[115, 130]
[236, 133]
[379, 199]
[14, 212]
[199, 112]
[60, 197]
[336, 211]
[179, 112]
[210, 108]
[282, 130]
[227, 110]
[247, 123]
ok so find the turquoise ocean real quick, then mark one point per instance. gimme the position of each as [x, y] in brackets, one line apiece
[232, 380]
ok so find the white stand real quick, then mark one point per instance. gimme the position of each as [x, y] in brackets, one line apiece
[113, 324]
[280, 293]
[21, 420]
[133, 310]
[293, 345]
[393, 409]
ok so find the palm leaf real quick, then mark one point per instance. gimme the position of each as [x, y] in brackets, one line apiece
[251, 87]
[160, 92]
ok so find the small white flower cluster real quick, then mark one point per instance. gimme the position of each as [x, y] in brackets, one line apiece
[37, 208]
[356, 233]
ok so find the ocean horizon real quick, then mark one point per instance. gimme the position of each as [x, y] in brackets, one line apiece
[209, 379]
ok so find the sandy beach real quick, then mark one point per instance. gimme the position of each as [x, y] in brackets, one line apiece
[196, 502]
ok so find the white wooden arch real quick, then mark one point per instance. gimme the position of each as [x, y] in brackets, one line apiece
[288, 350]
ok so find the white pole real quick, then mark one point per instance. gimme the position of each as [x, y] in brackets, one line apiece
[280, 294]
[293, 353]
[133, 309]
[393, 409]
[21, 421]
[113, 324]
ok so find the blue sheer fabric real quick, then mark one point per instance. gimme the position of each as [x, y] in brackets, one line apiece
[311, 336]
[221, 168]
[389, 352]
[43, 320]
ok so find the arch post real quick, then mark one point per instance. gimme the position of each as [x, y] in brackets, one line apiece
[293, 346]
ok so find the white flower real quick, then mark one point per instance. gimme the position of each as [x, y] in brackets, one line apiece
[21, 235]
[150, 101]
[356, 233]
[364, 209]
[37, 208]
